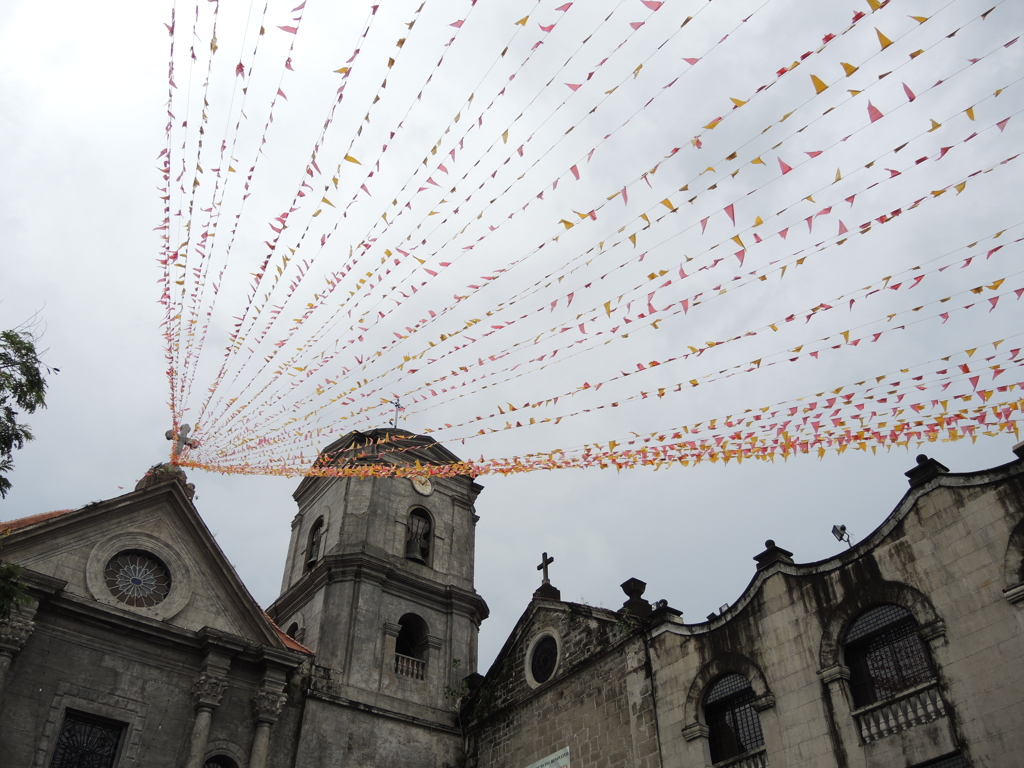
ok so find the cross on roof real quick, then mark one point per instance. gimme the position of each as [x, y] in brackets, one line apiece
[182, 441]
[545, 561]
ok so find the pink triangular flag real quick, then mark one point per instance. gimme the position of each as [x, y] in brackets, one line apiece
[730, 212]
[910, 93]
[785, 168]
[873, 112]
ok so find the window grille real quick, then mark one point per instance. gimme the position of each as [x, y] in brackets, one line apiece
[137, 578]
[885, 655]
[734, 726]
[544, 660]
[86, 742]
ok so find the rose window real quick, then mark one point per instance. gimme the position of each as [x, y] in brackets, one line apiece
[137, 579]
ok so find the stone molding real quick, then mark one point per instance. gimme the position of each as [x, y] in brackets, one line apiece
[14, 633]
[82, 699]
[832, 674]
[391, 629]
[182, 580]
[267, 705]
[695, 731]
[933, 633]
[208, 691]
[1015, 594]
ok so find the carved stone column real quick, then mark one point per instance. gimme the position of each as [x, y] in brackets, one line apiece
[387, 668]
[837, 680]
[267, 703]
[207, 693]
[14, 633]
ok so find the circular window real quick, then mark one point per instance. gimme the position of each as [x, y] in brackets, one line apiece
[544, 659]
[137, 578]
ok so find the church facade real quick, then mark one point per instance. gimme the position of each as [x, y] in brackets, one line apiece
[139, 645]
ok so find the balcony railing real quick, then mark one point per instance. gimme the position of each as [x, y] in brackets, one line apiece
[407, 666]
[910, 708]
[753, 759]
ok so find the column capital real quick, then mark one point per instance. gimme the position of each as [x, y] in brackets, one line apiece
[267, 705]
[208, 690]
[14, 633]
[392, 629]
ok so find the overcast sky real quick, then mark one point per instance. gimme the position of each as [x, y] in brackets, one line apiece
[83, 100]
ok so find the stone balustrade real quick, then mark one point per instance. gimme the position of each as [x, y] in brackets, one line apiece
[911, 708]
[754, 759]
[406, 666]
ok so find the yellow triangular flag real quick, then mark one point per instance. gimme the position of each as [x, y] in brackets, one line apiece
[969, 112]
[668, 204]
[960, 187]
[632, 239]
[819, 86]
[757, 161]
[737, 102]
[874, 5]
[849, 69]
[352, 159]
[839, 176]
[920, 19]
[884, 41]
[504, 137]
[736, 239]
[758, 222]
[935, 126]
[522, 21]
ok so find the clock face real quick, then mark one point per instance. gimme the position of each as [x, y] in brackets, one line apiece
[422, 485]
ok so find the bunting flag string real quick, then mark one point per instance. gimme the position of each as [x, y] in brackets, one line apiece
[685, 303]
[443, 260]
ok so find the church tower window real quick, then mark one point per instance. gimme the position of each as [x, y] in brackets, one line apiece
[411, 647]
[734, 726]
[315, 541]
[418, 540]
[86, 741]
[885, 655]
[220, 761]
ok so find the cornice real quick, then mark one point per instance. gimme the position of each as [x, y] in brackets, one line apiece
[167, 635]
[872, 541]
[391, 578]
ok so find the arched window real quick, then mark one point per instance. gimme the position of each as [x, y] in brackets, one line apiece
[293, 630]
[316, 534]
[734, 726]
[885, 655]
[420, 535]
[411, 647]
[220, 761]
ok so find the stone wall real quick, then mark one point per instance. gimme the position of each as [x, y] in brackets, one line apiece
[599, 702]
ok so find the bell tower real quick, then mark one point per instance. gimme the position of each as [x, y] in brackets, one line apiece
[379, 584]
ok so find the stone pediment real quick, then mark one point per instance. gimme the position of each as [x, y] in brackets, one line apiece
[551, 640]
[145, 555]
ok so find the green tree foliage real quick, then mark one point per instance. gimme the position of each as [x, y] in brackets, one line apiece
[12, 594]
[22, 390]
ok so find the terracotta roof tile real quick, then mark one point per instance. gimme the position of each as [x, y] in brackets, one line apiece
[24, 522]
[288, 640]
